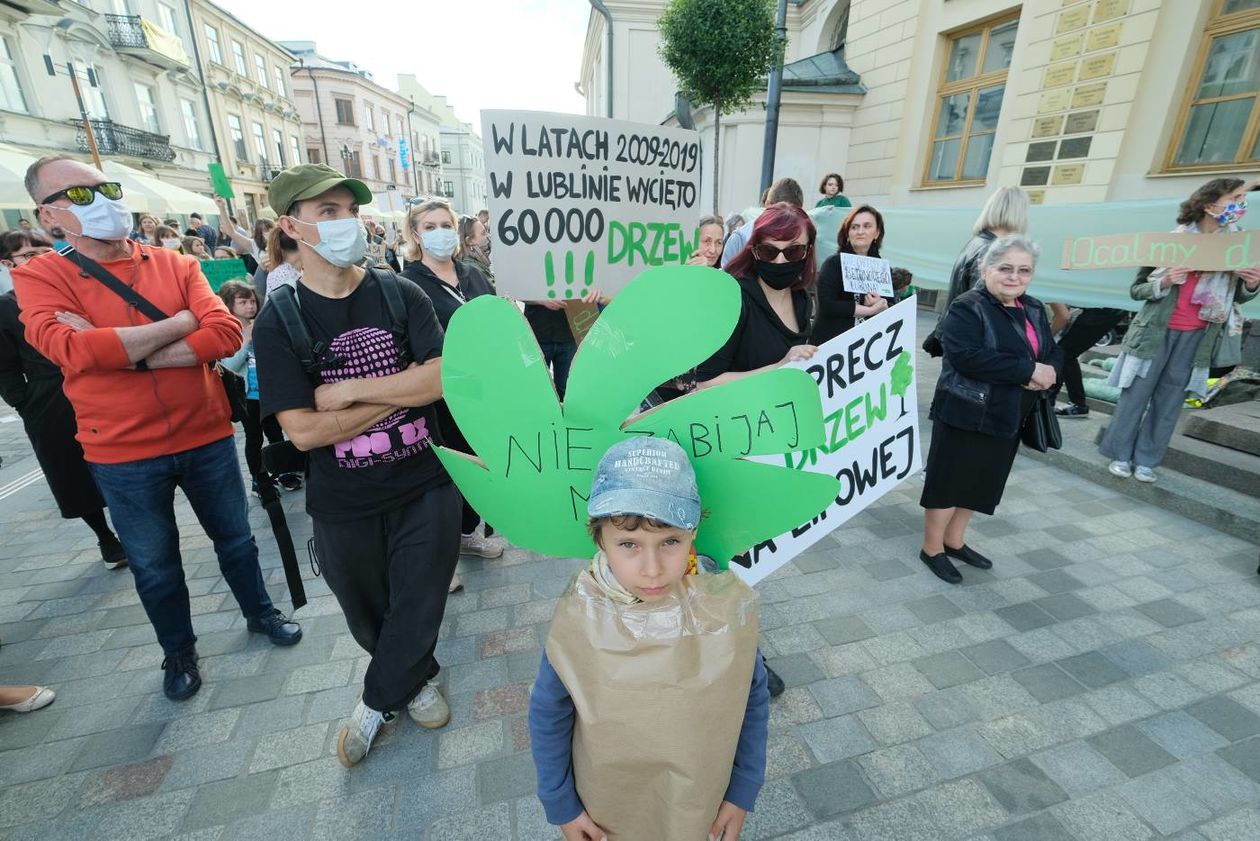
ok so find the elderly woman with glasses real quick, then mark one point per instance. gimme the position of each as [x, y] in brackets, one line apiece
[999, 354]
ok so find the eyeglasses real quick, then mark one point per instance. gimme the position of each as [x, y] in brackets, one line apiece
[20, 257]
[83, 195]
[767, 253]
[1006, 270]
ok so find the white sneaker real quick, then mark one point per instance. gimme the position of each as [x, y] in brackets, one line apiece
[429, 708]
[482, 547]
[357, 736]
[456, 584]
[1144, 474]
[1120, 468]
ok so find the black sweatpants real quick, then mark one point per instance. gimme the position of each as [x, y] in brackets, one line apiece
[256, 426]
[1090, 326]
[390, 573]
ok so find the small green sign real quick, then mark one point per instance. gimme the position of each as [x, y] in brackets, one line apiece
[219, 272]
[219, 179]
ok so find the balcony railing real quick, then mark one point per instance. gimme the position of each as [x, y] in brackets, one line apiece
[115, 139]
[132, 33]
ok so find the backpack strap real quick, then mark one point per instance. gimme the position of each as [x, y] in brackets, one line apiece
[90, 268]
[284, 299]
[391, 292]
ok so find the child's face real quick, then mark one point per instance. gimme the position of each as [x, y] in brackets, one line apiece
[647, 561]
[245, 308]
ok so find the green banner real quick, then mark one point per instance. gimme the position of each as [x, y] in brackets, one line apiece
[219, 272]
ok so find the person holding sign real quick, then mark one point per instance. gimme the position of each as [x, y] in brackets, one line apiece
[650, 715]
[840, 307]
[1169, 347]
[999, 355]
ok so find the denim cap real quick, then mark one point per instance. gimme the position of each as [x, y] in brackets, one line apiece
[650, 477]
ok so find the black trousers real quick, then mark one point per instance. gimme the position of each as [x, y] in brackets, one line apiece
[255, 428]
[1090, 326]
[390, 573]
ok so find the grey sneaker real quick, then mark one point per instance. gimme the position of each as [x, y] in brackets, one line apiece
[482, 547]
[429, 709]
[357, 736]
[1120, 468]
[1144, 474]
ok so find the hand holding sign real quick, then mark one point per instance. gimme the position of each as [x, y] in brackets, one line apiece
[869, 275]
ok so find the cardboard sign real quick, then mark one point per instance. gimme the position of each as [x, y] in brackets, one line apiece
[1202, 252]
[219, 180]
[581, 317]
[534, 459]
[866, 274]
[866, 382]
[219, 272]
[583, 203]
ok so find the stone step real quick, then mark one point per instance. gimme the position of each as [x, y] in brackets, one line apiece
[1211, 462]
[1236, 426]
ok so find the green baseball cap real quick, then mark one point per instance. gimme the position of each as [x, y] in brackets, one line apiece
[306, 181]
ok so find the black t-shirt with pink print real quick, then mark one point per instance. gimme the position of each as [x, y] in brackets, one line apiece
[390, 463]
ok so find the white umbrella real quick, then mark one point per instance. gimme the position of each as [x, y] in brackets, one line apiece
[13, 164]
[158, 197]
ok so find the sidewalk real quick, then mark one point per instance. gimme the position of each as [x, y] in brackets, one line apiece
[1101, 683]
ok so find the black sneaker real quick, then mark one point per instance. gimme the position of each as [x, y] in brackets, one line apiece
[279, 628]
[182, 679]
[941, 567]
[113, 553]
[1072, 410]
[773, 682]
[969, 556]
[290, 481]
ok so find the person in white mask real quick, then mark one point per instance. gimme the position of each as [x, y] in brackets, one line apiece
[433, 251]
[360, 402]
[151, 414]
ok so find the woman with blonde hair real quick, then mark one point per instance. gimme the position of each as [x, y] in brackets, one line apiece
[146, 229]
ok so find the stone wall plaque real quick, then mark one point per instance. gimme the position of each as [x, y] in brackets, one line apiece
[1079, 122]
[1075, 147]
[1043, 151]
[1036, 196]
[1103, 37]
[1072, 19]
[1058, 75]
[1052, 101]
[1047, 126]
[1067, 47]
[1098, 66]
[1035, 176]
[1088, 96]
[1110, 10]
[1068, 174]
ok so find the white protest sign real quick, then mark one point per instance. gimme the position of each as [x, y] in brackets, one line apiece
[866, 380]
[582, 203]
[866, 274]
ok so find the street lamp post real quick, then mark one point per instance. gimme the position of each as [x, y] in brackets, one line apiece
[415, 172]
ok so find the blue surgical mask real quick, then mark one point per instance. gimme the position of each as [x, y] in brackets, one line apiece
[342, 242]
[439, 243]
[1232, 213]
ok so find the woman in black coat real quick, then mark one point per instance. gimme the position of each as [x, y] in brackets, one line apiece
[999, 354]
[32, 385]
[861, 233]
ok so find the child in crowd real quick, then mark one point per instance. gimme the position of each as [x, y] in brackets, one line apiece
[903, 284]
[649, 717]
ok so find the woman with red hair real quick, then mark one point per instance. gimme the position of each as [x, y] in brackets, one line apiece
[775, 271]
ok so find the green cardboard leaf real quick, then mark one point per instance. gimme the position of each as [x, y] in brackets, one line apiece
[219, 181]
[534, 460]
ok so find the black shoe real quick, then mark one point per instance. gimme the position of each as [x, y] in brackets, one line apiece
[113, 553]
[1072, 410]
[290, 481]
[182, 678]
[774, 683]
[941, 567]
[969, 556]
[279, 628]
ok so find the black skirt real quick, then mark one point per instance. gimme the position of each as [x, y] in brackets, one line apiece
[966, 469]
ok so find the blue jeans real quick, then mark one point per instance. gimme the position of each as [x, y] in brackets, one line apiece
[559, 355]
[141, 499]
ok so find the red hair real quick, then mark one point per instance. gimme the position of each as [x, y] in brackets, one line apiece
[782, 222]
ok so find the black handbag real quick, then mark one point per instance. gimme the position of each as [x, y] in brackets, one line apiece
[1041, 428]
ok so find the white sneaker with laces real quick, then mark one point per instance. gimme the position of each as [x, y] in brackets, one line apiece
[482, 547]
[1120, 468]
[429, 709]
[357, 736]
[1145, 474]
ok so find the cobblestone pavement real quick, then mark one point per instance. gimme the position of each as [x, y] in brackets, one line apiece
[1102, 683]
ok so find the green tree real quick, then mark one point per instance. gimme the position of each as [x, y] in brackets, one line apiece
[902, 378]
[720, 51]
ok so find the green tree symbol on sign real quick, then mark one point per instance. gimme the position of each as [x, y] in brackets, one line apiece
[537, 457]
[902, 378]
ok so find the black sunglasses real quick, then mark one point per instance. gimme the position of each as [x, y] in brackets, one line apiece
[83, 196]
[767, 253]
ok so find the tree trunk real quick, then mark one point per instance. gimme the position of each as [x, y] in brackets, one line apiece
[717, 141]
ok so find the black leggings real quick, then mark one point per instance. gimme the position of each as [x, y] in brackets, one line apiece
[255, 428]
[1090, 326]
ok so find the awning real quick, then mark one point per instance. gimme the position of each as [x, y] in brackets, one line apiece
[13, 164]
[157, 196]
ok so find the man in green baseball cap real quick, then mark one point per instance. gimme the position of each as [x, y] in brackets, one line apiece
[355, 389]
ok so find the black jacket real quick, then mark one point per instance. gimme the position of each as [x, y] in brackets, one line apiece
[760, 338]
[472, 284]
[988, 359]
[837, 308]
[966, 271]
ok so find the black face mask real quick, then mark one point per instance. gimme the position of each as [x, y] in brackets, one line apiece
[780, 275]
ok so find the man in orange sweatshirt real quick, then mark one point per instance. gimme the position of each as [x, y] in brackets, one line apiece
[152, 415]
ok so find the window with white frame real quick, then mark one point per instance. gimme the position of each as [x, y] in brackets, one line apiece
[368, 122]
[212, 43]
[295, 150]
[148, 108]
[260, 141]
[166, 19]
[260, 70]
[277, 140]
[280, 86]
[238, 56]
[94, 96]
[11, 96]
[192, 128]
[238, 138]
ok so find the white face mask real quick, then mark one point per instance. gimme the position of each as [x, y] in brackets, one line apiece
[342, 242]
[104, 219]
[172, 244]
[439, 243]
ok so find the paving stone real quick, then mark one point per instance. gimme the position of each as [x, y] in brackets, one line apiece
[1043, 827]
[1044, 559]
[1245, 823]
[1047, 682]
[1168, 691]
[198, 730]
[203, 765]
[247, 690]
[1066, 606]
[780, 808]
[444, 793]
[114, 747]
[796, 669]
[317, 677]
[1021, 787]
[126, 782]
[1103, 816]
[946, 708]
[1078, 768]
[893, 648]
[143, 818]
[948, 669]
[1136, 657]
[833, 789]
[901, 820]
[838, 630]
[1245, 756]
[1215, 783]
[289, 747]
[1131, 751]
[898, 770]
[470, 744]
[833, 739]
[994, 656]
[506, 778]
[1170, 613]
[894, 723]
[899, 681]
[842, 695]
[934, 609]
[1181, 735]
[228, 801]
[1161, 802]
[1056, 581]
[1227, 717]
[1093, 670]
[1025, 616]
[957, 753]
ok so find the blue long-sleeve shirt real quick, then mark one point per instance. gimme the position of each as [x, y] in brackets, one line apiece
[551, 720]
